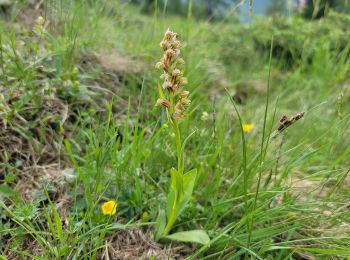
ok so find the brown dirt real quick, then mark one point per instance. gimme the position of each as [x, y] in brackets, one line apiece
[137, 244]
[34, 179]
[131, 243]
[119, 63]
[29, 245]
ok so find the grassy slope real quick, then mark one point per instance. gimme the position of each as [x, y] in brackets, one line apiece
[286, 221]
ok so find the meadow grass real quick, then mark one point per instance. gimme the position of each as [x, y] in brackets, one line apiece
[259, 194]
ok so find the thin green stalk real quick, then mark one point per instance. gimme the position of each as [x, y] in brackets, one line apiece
[1, 56]
[244, 151]
[262, 154]
[165, 6]
[189, 16]
[155, 17]
[180, 164]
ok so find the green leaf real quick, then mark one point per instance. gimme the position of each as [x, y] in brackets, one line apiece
[173, 195]
[57, 219]
[5, 190]
[161, 221]
[10, 178]
[189, 180]
[193, 236]
[326, 251]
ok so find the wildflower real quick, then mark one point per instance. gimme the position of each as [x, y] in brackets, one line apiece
[176, 72]
[40, 20]
[205, 116]
[178, 114]
[184, 81]
[39, 27]
[184, 94]
[109, 207]
[247, 128]
[163, 45]
[167, 85]
[159, 65]
[180, 61]
[173, 80]
[176, 101]
[163, 102]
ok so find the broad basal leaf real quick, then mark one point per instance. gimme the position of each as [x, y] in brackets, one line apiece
[193, 236]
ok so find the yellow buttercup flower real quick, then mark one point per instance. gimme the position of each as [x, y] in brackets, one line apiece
[109, 207]
[247, 128]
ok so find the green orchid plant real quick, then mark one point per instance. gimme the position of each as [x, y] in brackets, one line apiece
[175, 101]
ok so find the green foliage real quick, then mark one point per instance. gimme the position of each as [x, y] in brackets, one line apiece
[201, 9]
[319, 8]
[194, 236]
[114, 145]
[179, 195]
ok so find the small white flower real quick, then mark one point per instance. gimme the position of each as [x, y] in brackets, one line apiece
[159, 65]
[176, 72]
[170, 53]
[163, 45]
[184, 94]
[167, 84]
[180, 61]
[176, 44]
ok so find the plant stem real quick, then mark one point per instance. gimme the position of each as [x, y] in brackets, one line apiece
[170, 223]
[180, 168]
[180, 163]
[262, 150]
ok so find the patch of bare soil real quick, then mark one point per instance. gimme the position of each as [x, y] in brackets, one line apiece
[138, 244]
[115, 72]
[29, 246]
[34, 180]
[31, 137]
[132, 243]
[119, 63]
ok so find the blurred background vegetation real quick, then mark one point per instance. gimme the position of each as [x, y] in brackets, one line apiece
[216, 9]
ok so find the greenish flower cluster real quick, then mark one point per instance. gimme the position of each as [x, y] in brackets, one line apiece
[173, 79]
